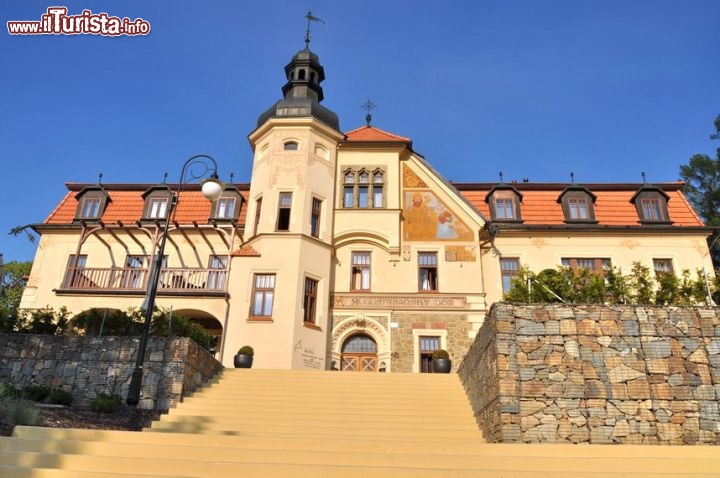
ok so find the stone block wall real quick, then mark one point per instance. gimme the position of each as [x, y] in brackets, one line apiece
[87, 366]
[596, 374]
[456, 326]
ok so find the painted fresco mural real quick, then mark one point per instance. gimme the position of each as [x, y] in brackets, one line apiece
[425, 217]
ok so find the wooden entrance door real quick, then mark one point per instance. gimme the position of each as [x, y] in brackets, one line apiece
[359, 354]
[359, 362]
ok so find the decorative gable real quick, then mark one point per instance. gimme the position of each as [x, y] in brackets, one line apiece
[425, 216]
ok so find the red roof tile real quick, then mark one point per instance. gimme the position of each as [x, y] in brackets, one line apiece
[612, 208]
[126, 205]
[371, 133]
[245, 251]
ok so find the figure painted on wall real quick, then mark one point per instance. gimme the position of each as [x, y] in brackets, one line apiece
[426, 218]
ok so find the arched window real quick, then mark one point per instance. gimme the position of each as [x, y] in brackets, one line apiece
[360, 343]
[301, 75]
[290, 146]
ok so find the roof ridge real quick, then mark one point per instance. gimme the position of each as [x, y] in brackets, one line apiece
[375, 130]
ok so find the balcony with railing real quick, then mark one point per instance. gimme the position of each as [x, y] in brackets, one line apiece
[172, 281]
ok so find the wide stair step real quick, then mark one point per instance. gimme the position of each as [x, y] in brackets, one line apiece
[326, 424]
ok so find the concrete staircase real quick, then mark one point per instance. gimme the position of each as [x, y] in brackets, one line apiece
[327, 424]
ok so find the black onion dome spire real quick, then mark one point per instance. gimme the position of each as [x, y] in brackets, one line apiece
[302, 93]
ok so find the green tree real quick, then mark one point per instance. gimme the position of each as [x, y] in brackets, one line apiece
[702, 178]
[12, 283]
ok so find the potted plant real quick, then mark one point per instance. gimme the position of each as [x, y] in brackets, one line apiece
[441, 361]
[244, 357]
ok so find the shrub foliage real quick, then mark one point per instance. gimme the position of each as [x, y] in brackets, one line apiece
[640, 286]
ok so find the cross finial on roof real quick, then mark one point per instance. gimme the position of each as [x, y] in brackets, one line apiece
[310, 18]
[501, 176]
[368, 106]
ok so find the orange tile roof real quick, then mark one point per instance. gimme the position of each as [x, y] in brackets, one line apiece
[371, 133]
[245, 251]
[539, 204]
[126, 205]
[613, 207]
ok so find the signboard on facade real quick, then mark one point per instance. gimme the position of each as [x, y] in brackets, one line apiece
[398, 302]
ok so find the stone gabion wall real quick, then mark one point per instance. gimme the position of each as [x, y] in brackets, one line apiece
[87, 366]
[597, 374]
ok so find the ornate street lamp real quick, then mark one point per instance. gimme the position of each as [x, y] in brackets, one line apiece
[197, 167]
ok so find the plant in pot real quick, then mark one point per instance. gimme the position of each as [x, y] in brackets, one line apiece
[441, 361]
[244, 357]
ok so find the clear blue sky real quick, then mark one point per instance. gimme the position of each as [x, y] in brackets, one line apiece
[535, 89]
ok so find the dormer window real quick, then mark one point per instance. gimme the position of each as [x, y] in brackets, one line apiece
[577, 204]
[157, 203]
[651, 205]
[157, 208]
[651, 209]
[578, 209]
[91, 203]
[227, 206]
[504, 201]
[90, 208]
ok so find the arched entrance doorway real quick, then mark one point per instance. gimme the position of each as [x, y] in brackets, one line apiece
[359, 354]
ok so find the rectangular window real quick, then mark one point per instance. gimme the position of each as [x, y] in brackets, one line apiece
[591, 264]
[258, 208]
[225, 208]
[509, 270]
[218, 272]
[348, 196]
[427, 271]
[157, 209]
[90, 208]
[578, 208]
[362, 189]
[310, 300]
[315, 217]
[651, 209]
[263, 294]
[377, 189]
[663, 266]
[134, 274]
[363, 200]
[284, 206]
[360, 271]
[426, 347]
[73, 274]
[504, 208]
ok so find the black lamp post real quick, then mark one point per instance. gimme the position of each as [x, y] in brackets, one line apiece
[197, 167]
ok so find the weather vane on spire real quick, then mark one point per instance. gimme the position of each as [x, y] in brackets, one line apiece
[368, 106]
[310, 18]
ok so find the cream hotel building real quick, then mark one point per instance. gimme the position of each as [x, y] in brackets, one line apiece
[346, 250]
